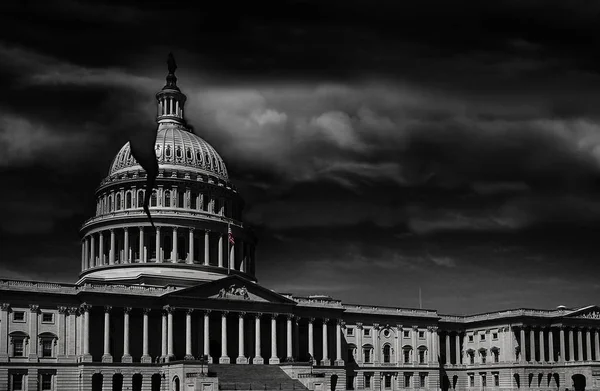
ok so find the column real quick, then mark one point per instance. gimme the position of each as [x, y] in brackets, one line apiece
[111, 257]
[125, 245]
[289, 354]
[550, 345]
[107, 357]
[84, 265]
[206, 336]
[596, 345]
[532, 344]
[62, 331]
[448, 353]
[434, 344]
[87, 357]
[188, 334]
[562, 344]
[158, 244]
[163, 353]
[458, 355]
[338, 343]
[579, 345]
[170, 354]
[126, 356]
[93, 251]
[142, 247]
[257, 355]
[415, 332]
[145, 339]
[220, 250]
[376, 343]
[274, 358]
[296, 326]
[224, 359]
[523, 353]
[325, 361]
[87, 252]
[174, 255]
[571, 345]
[191, 241]
[72, 342]
[542, 347]
[33, 331]
[241, 359]
[206, 248]
[231, 256]
[311, 345]
[588, 345]
[359, 341]
[101, 249]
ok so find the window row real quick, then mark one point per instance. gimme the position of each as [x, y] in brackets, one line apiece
[483, 379]
[20, 317]
[387, 354]
[482, 337]
[367, 332]
[18, 378]
[386, 381]
[20, 344]
[482, 354]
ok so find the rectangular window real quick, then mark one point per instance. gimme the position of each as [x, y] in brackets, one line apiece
[17, 381]
[483, 358]
[47, 348]
[470, 338]
[368, 381]
[406, 333]
[422, 380]
[407, 380]
[472, 358]
[483, 380]
[350, 331]
[421, 356]
[19, 316]
[496, 380]
[495, 353]
[494, 336]
[47, 317]
[367, 354]
[18, 348]
[406, 356]
[471, 380]
[387, 381]
[421, 334]
[482, 337]
[367, 332]
[46, 382]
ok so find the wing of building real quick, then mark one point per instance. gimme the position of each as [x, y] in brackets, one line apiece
[179, 307]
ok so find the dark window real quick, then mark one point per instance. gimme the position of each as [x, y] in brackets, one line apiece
[118, 202]
[349, 382]
[128, 200]
[495, 336]
[471, 380]
[472, 358]
[140, 198]
[496, 380]
[482, 337]
[407, 356]
[181, 199]
[18, 348]
[46, 381]
[483, 381]
[406, 380]
[367, 381]
[421, 334]
[350, 331]
[167, 199]
[470, 338]
[406, 333]
[422, 380]
[194, 201]
[495, 353]
[47, 348]
[19, 316]
[387, 381]
[350, 355]
[422, 356]
[153, 198]
[386, 353]
[367, 352]
[367, 332]
[48, 317]
[17, 381]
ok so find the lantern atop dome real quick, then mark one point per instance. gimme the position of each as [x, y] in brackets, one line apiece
[170, 100]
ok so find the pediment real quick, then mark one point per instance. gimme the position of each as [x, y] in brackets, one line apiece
[590, 312]
[233, 288]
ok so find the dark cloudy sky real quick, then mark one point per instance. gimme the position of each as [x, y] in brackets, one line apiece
[380, 146]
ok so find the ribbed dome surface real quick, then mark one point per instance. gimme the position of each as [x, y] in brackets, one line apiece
[175, 146]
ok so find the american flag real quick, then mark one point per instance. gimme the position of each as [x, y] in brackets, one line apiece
[230, 235]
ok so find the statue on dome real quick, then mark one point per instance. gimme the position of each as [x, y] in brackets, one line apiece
[171, 64]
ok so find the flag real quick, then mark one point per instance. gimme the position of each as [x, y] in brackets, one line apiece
[230, 235]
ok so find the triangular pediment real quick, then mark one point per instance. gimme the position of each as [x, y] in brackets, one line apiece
[589, 312]
[232, 288]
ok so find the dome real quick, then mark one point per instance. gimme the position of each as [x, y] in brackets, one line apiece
[177, 147]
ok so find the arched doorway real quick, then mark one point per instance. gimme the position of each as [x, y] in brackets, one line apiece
[136, 382]
[176, 383]
[117, 382]
[578, 382]
[97, 382]
[334, 380]
[156, 382]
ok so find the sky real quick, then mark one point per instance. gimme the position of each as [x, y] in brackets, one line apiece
[381, 147]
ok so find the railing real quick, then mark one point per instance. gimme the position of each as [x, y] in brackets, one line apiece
[389, 310]
[276, 385]
[503, 314]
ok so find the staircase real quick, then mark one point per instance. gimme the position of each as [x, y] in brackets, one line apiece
[253, 377]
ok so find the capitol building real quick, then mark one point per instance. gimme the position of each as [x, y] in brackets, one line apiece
[177, 306]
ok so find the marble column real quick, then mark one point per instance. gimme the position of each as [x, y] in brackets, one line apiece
[289, 355]
[126, 355]
[107, 357]
[550, 345]
[170, 352]
[224, 359]
[359, 341]
[157, 244]
[190, 258]
[100, 249]
[206, 248]
[338, 343]
[296, 326]
[125, 245]
[93, 250]
[174, 254]
[434, 345]
[274, 358]
[571, 345]
[561, 335]
[542, 347]
[34, 309]
[311, 341]
[241, 359]
[142, 247]
[588, 345]
[62, 331]
[257, 355]
[207, 336]
[325, 361]
[188, 334]
[448, 353]
[111, 257]
[458, 355]
[415, 352]
[84, 265]
[72, 342]
[164, 335]
[579, 345]
[532, 344]
[87, 252]
[220, 250]
[145, 338]
[87, 357]
[522, 350]
[596, 345]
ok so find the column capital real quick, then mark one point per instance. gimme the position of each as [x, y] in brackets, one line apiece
[125, 229]
[146, 310]
[141, 228]
[375, 326]
[289, 316]
[340, 322]
[126, 310]
[168, 309]
[400, 327]
[4, 306]
[34, 308]
[224, 314]
[274, 316]
[85, 307]
[207, 312]
[112, 230]
[62, 310]
[174, 229]
[359, 325]
[192, 229]
[241, 314]
[207, 231]
[73, 310]
[311, 320]
[325, 320]
[433, 329]
[107, 308]
[258, 315]
[415, 328]
[189, 311]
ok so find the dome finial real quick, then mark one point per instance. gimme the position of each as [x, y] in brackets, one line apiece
[172, 66]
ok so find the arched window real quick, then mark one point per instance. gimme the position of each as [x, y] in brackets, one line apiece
[97, 380]
[178, 153]
[387, 351]
[406, 354]
[181, 199]
[496, 354]
[194, 201]
[110, 204]
[117, 382]
[136, 382]
[367, 353]
[140, 198]
[176, 383]
[18, 340]
[153, 198]
[156, 382]
[167, 202]
[128, 200]
[422, 354]
[118, 201]
[483, 355]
